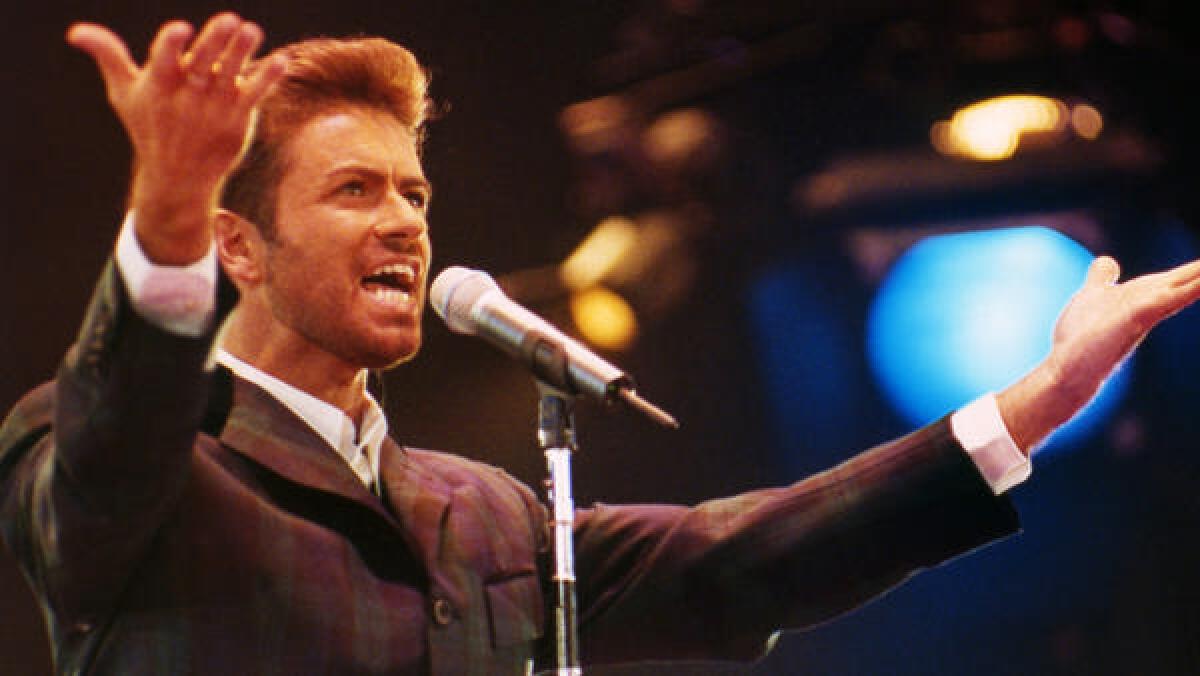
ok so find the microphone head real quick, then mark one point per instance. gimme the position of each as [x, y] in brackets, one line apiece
[454, 293]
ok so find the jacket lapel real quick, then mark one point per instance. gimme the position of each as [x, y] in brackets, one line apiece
[262, 429]
[268, 433]
[425, 512]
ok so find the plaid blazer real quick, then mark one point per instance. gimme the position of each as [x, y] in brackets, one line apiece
[173, 521]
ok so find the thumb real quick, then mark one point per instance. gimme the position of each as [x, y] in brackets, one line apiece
[1104, 271]
[107, 50]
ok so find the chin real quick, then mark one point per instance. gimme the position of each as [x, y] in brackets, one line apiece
[392, 358]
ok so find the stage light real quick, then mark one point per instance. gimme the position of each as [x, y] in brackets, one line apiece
[993, 129]
[962, 314]
[1086, 121]
[597, 125]
[599, 253]
[604, 319]
[687, 140]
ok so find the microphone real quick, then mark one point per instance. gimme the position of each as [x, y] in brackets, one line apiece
[472, 303]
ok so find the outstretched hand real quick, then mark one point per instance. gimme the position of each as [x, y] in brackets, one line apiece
[188, 111]
[1100, 326]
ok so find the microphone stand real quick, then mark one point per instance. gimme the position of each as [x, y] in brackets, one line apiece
[556, 436]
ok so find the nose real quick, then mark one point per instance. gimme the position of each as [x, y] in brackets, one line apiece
[401, 220]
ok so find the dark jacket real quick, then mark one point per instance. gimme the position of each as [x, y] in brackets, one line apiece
[173, 521]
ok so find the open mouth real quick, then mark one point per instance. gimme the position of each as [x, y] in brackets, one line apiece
[393, 284]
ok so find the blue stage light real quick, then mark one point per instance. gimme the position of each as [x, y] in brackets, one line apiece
[963, 314]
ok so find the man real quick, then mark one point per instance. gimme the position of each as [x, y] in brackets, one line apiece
[255, 519]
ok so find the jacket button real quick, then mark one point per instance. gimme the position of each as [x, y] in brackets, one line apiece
[443, 612]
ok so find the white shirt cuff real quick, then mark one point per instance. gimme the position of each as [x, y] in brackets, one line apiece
[179, 299]
[981, 431]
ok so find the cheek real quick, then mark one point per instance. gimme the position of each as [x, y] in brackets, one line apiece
[296, 272]
[308, 253]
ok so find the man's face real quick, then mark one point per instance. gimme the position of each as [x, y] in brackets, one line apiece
[345, 272]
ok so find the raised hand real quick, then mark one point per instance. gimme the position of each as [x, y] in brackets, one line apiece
[1100, 326]
[188, 112]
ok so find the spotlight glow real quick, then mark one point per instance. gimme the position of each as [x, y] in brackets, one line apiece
[604, 318]
[1086, 121]
[963, 314]
[993, 129]
[597, 255]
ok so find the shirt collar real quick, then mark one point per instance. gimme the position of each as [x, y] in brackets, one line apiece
[361, 452]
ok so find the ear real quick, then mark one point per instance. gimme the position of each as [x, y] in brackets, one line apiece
[240, 248]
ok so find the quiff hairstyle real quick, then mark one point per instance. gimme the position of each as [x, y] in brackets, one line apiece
[323, 75]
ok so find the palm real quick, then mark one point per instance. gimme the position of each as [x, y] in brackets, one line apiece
[188, 111]
[188, 108]
[1105, 321]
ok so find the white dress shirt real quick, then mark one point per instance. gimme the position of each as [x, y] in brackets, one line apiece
[359, 450]
[183, 300]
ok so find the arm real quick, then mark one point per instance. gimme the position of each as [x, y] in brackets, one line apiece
[93, 488]
[717, 580]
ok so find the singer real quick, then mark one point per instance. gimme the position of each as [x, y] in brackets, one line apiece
[253, 516]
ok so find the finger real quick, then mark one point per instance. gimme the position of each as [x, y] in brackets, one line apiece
[1104, 271]
[1169, 304]
[236, 57]
[262, 76]
[210, 44]
[1184, 274]
[1170, 291]
[1184, 294]
[167, 50]
[108, 51]
[1165, 294]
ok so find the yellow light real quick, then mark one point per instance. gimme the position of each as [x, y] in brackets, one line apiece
[942, 138]
[599, 253]
[604, 318]
[680, 138]
[984, 136]
[992, 129]
[1086, 121]
[594, 125]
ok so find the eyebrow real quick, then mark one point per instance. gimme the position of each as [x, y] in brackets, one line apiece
[406, 181]
[419, 182]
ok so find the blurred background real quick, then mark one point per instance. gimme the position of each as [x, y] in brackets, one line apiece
[805, 228]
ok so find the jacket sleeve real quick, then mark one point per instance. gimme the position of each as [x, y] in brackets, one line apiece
[717, 581]
[93, 464]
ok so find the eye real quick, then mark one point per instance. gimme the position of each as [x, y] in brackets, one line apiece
[418, 198]
[353, 188]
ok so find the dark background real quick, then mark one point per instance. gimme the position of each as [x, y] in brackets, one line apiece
[1103, 578]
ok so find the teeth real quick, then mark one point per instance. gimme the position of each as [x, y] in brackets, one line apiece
[390, 296]
[406, 273]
